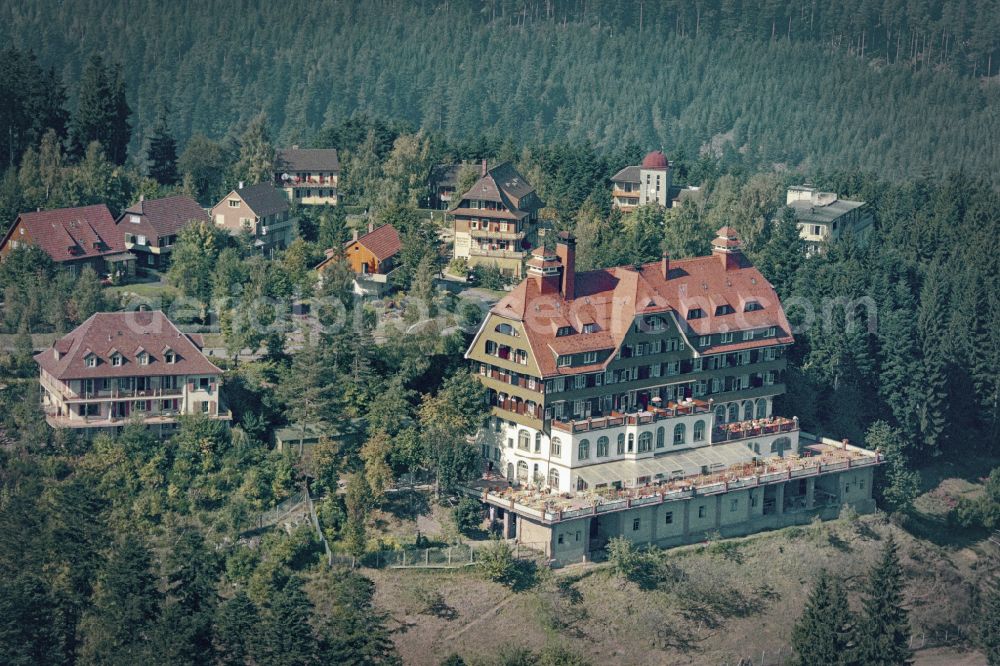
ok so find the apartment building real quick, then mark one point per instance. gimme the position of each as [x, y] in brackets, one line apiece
[496, 221]
[261, 211]
[308, 176]
[150, 228]
[118, 366]
[823, 216]
[655, 381]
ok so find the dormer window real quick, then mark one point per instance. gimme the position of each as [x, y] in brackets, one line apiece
[134, 219]
[590, 328]
[564, 330]
[565, 361]
[695, 313]
[117, 360]
[143, 358]
[90, 360]
[752, 306]
[170, 357]
[724, 310]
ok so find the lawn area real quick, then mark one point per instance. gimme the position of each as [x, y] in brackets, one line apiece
[153, 291]
[709, 605]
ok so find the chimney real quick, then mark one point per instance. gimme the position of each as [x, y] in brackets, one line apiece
[142, 197]
[566, 251]
[482, 171]
[665, 265]
[728, 248]
[371, 227]
[354, 234]
[295, 147]
[240, 187]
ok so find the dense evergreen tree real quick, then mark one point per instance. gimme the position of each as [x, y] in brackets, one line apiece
[884, 629]
[823, 634]
[989, 623]
[161, 156]
[102, 111]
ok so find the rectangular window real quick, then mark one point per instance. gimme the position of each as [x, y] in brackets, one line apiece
[578, 407]
[697, 364]
[747, 335]
[701, 511]
[635, 524]
[704, 340]
[565, 361]
[580, 381]
[590, 357]
[640, 349]
[560, 539]
[669, 518]
[725, 338]
[673, 368]
[654, 370]
[234, 203]
[771, 332]
[734, 505]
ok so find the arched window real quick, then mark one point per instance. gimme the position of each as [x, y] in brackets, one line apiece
[524, 440]
[621, 444]
[538, 442]
[781, 445]
[581, 484]
[734, 412]
[699, 431]
[660, 437]
[556, 446]
[645, 442]
[720, 415]
[554, 478]
[747, 410]
[584, 449]
[602, 447]
[761, 408]
[631, 442]
[679, 434]
[522, 472]
[506, 329]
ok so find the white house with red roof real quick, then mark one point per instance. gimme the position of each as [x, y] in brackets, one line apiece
[74, 238]
[648, 382]
[118, 366]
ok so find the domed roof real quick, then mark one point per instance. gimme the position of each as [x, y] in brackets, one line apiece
[654, 160]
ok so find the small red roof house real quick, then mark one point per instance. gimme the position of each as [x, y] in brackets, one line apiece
[150, 228]
[73, 237]
[371, 256]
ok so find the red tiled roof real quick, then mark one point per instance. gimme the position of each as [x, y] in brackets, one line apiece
[382, 242]
[68, 234]
[162, 217]
[126, 333]
[612, 298]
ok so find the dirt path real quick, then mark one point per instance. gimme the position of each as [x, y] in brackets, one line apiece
[482, 618]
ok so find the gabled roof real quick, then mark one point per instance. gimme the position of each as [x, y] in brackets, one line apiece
[502, 184]
[445, 175]
[629, 174]
[263, 199]
[382, 242]
[128, 334]
[306, 159]
[68, 234]
[612, 298]
[163, 217]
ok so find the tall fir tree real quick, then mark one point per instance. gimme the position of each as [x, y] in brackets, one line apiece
[257, 154]
[121, 128]
[824, 634]
[884, 631]
[988, 631]
[236, 622]
[161, 156]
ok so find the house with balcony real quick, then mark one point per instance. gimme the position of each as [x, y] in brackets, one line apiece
[496, 221]
[372, 256]
[308, 176]
[824, 217]
[260, 210]
[150, 228]
[648, 386]
[74, 238]
[120, 366]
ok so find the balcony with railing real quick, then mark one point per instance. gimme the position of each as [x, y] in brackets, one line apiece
[477, 251]
[108, 420]
[671, 410]
[115, 392]
[496, 234]
[772, 425]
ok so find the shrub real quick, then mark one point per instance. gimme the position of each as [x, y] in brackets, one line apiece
[626, 560]
[468, 516]
[497, 562]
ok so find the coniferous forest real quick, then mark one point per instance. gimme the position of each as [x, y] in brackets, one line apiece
[129, 549]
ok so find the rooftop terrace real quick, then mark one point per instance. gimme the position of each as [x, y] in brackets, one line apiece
[816, 457]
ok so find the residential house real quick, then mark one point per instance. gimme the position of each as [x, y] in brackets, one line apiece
[260, 210]
[496, 221]
[119, 366]
[74, 238]
[441, 184]
[647, 183]
[638, 401]
[150, 228]
[372, 256]
[822, 216]
[309, 176]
